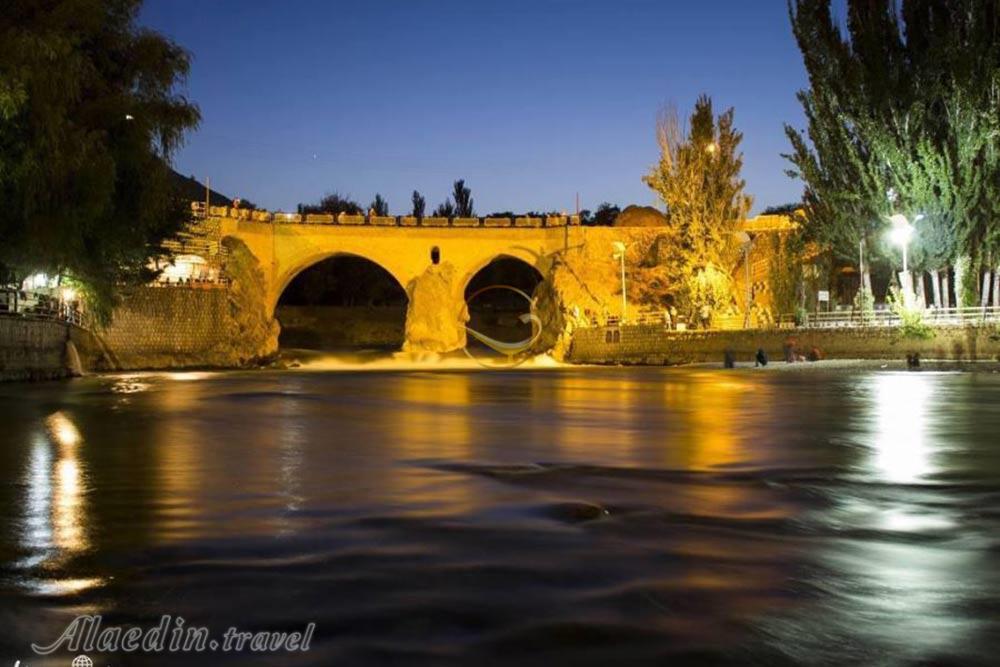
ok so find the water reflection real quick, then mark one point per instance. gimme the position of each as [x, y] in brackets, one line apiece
[902, 448]
[902, 557]
[56, 522]
[68, 508]
[597, 515]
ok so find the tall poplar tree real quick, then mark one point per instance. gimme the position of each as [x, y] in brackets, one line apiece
[902, 116]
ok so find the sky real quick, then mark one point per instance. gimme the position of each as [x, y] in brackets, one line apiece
[531, 102]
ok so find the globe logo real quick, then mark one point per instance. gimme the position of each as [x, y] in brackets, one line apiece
[82, 661]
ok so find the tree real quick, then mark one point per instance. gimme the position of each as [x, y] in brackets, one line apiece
[379, 206]
[445, 210]
[463, 200]
[333, 203]
[604, 216]
[419, 204]
[783, 209]
[698, 180]
[901, 117]
[89, 119]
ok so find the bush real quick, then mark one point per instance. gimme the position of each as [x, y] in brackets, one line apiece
[911, 320]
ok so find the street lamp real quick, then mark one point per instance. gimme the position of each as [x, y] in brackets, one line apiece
[901, 234]
[619, 254]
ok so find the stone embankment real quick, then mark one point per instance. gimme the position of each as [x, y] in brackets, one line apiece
[178, 327]
[33, 349]
[652, 345]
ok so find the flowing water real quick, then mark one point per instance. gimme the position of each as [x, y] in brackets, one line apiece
[557, 517]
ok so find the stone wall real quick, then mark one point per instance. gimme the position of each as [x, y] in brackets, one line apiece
[32, 349]
[167, 327]
[655, 346]
[178, 327]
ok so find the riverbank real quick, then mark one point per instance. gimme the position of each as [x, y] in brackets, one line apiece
[853, 365]
[651, 345]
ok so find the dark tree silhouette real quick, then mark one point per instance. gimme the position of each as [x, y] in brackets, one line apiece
[419, 204]
[332, 203]
[463, 200]
[445, 210]
[604, 216]
[379, 206]
[91, 116]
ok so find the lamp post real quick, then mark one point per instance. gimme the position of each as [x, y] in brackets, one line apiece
[901, 234]
[619, 254]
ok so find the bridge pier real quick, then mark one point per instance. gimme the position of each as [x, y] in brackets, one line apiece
[436, 314]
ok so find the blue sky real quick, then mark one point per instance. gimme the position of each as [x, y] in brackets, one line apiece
[530, 102]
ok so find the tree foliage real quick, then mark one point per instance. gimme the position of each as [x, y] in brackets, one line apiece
[463, 200]
[604, 216]
[698, 180]
[902, 116]
[90, 115]
[445, 209]
[419, 204]
[333, 203]
[379, 206]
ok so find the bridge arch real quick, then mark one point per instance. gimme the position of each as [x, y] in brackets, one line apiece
[286, 274]
[344, 301]
[493, 309]
[513, 256]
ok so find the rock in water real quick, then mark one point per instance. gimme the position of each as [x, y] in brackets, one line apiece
[435, 316]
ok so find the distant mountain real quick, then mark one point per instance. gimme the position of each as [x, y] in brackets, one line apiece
[191, 190]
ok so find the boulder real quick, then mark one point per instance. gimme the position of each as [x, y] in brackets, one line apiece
[435, 318]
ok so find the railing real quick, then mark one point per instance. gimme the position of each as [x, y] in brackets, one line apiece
[219, 282]
[888, 318]
[827, 320]
[37, 306]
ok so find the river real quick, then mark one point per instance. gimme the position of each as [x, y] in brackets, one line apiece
[557, 517]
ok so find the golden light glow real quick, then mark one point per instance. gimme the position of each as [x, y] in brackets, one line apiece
[62, 430]
[67, 507]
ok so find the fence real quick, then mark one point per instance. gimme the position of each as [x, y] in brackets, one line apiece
[41, 306]
[888, 318]
[828, 320]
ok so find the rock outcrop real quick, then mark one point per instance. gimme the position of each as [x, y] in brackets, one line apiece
[253, 329]
[435, 319]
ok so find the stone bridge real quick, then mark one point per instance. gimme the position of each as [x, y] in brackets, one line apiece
[433, 259]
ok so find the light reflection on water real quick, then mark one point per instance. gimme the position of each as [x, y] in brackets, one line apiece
[589, 514]
[901, 404]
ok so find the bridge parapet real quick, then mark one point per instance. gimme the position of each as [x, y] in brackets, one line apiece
[280, 217]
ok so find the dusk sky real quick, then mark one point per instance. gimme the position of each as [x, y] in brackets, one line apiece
[530, 102]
